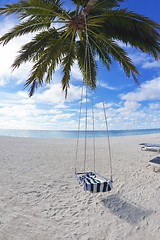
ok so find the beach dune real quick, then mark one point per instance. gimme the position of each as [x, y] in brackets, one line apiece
[40, 198]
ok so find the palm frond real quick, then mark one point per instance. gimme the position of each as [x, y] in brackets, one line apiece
[99, 48]
[137, 30]
[119, 55]
[87, 64]
[103, 5]
[35, 48]
[38, 72]
[51, 46]
[34, 25]
[46, 62]
[55, 51]
[80, 2]
[33, 87]
[27, 8]
[67, 62]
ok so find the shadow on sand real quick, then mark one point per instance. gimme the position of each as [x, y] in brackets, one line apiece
[125, 209]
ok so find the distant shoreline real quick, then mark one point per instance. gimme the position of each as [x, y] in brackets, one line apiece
[74, 133]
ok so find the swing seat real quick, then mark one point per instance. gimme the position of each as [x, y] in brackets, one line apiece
[94, 183]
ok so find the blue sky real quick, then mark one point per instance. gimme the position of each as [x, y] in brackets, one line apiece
[128, 105]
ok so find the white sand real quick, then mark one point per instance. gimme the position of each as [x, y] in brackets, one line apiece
[40, 199]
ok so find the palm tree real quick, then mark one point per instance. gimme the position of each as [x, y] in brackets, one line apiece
[90, 29]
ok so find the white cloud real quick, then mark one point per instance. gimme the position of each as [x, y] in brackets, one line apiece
[151, 64]
[47, 110]
[149, 90]
[8, 54]
[23, 116]
[128, 109]
[62, 116]
[132, 105]
[75, 72]
[31, 116]
[122, 44]
[139, 58]
[105, 85]
[55, 95]
[22, 112]
[154, 106]
[100, 105]
[144, 60]
[2, 82]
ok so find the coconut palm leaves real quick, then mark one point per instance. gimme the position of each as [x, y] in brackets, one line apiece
[91, 29]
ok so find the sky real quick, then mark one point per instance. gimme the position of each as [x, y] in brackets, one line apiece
[128, 105]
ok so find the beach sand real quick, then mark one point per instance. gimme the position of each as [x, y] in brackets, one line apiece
[40, 198]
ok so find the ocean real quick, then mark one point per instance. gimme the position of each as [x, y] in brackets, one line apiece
[74, 134]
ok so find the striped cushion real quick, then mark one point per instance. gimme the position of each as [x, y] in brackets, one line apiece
[94, 184]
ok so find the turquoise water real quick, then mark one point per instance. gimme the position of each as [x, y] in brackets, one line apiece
[74, 134]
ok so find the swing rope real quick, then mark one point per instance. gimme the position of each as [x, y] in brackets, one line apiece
[94, 140]
[88, 67]
[86, 77]
[88, 54]
[86, 117]
[79, 125]
[86, 125]
[107, 129]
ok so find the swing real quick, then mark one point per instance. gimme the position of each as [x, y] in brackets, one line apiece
[91, 180]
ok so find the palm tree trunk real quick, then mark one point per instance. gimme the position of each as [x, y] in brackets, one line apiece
[79, 20]
[89, 7]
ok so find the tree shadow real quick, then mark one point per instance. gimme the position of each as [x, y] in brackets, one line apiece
[125, 209]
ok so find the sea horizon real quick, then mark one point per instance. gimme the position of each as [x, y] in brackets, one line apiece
[74, 133]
